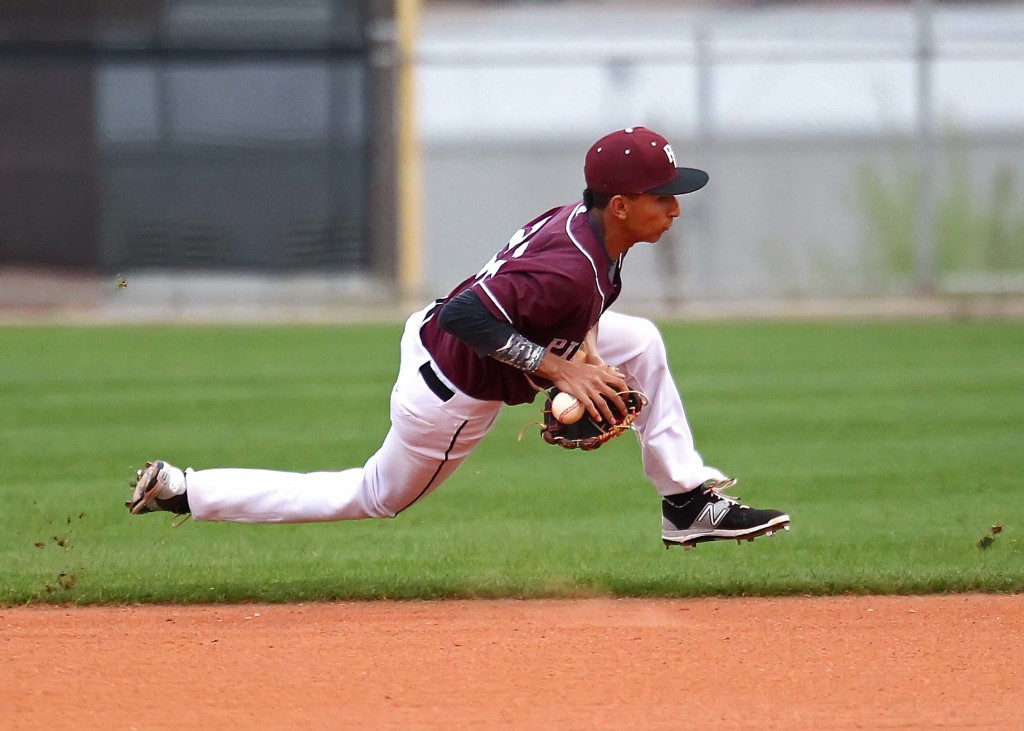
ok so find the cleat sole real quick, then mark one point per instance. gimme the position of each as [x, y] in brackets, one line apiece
[690, 543]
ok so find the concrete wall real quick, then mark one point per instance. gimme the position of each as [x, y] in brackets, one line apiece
[779, 218]
[808, 118]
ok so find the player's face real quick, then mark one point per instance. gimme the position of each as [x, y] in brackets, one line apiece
[648, 217]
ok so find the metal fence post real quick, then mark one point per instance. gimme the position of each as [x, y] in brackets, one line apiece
[924, 150]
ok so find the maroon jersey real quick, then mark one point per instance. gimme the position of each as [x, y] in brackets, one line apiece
[551, 282]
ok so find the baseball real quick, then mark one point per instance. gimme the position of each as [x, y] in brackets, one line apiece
[566, 408]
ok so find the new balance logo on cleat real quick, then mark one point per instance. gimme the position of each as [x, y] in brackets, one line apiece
[705, 514]
[714, 512]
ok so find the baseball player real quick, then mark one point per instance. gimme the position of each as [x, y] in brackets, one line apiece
[534, 317]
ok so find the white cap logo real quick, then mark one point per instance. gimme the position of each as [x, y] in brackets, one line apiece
[671, 155]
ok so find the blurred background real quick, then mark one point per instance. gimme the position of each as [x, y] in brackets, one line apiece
[266, 159]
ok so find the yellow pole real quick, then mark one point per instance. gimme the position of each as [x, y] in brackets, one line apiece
[410, 248]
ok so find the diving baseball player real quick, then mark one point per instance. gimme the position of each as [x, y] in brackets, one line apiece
[534, 317]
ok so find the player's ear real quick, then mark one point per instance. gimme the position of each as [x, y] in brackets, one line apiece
[619, 206]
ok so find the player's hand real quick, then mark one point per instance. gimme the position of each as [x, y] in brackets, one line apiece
[589, 357]
[590, 384]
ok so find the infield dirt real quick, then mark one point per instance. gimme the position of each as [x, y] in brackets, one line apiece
[796, 663]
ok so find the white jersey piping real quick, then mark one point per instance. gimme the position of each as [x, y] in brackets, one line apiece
[593, 264]
[495, 301]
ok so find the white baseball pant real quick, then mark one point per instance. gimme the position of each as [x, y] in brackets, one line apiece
[429, 438]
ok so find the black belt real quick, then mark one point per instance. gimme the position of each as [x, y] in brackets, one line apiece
[434, 383]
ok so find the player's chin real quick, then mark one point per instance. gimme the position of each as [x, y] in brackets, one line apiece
[656, 237]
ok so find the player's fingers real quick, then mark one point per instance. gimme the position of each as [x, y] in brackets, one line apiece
[611, 377]
[614, 387]
[615, 403]
[602, 403]
[597, 389]
[593, 400]
[604, 410]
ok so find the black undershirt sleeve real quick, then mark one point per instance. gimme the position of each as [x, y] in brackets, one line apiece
[466, 317]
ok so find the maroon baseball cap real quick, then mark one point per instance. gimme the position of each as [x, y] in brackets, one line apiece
[638, 160]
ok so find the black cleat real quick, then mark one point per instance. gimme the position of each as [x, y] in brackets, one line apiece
[705, 514]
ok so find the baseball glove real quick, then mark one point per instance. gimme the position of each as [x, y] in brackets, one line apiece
[588, 434]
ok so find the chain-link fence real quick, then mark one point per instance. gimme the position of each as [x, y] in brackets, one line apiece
[184, 134]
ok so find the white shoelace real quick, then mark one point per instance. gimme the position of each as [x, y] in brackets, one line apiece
[717, 487]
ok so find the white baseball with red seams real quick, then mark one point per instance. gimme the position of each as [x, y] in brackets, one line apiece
[566, 408]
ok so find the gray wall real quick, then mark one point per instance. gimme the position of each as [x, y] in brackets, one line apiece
[779, 218]
[819, 126]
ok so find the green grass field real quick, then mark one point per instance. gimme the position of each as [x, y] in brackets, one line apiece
[895, 447]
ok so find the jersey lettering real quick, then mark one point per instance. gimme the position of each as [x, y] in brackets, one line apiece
[516, 245]
[562, 347]
[490, 268]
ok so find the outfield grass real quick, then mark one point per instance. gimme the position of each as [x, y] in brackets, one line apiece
[894, 447]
